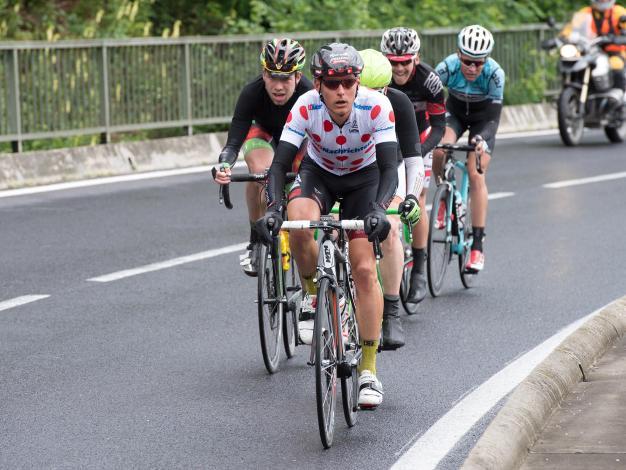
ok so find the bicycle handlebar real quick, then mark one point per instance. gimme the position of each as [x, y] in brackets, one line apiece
[322, 224]
[224, 190]
[450, 148]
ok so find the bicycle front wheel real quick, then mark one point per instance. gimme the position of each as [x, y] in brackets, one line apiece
[293, 292]
[439, 240]
[351, 354]
[405, 283]
[270, 309]
[325, 342]
[468, 278]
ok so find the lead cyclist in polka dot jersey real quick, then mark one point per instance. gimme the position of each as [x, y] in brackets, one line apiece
[351, 154]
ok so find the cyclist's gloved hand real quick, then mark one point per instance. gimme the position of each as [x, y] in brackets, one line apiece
[410, 212]
[480, 143]
[222, 175]
[376, 224]
[268, 226]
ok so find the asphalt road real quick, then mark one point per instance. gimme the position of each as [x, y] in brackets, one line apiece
[164, 370]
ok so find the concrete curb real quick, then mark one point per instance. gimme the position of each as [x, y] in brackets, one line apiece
[79, 163]
[507, 440]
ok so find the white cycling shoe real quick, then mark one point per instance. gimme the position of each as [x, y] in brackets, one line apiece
[370, 391]
[306, 321]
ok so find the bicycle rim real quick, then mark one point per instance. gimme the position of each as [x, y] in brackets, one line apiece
[325, 340]
[270, 311]
[351, 356]
[405, 284]
[439, 243]
[293, 291]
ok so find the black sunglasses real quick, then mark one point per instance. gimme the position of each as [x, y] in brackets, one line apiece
[334, 84]
[470, 62]
[401, 62]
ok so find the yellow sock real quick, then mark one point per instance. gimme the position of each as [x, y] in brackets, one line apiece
[368, 359]
[309, 285]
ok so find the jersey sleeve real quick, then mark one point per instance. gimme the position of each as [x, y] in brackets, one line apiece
[242, 120]
[495, 90]
[384, 120]
[443, 71]
[297, 122]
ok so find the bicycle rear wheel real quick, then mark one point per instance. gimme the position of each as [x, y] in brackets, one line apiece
[405, 283]
[325, 340]
[351, 356]
[270, 309]
[439, 242]
[293, 292]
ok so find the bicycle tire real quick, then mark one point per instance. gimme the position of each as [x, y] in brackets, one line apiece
[405, 284]
[293, 292]
[468, 279]
[439, 243]
[350, 357]
[270, 312]
[325, 340]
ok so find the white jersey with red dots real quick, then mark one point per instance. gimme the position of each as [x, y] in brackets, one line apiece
[344, 149]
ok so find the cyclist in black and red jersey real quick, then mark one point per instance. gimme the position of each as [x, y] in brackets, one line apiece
[424, 88]
[257, 123]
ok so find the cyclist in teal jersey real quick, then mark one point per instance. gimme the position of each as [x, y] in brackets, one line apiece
[475, 92]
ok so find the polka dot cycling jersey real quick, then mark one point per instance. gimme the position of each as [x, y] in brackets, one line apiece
[345, 149]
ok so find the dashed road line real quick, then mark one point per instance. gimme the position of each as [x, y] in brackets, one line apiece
[589, 180]
[17, 301]
[168, 264]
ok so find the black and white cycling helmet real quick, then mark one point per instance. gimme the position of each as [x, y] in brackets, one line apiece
[400, 43]
[602, 5]
[475, 41]
[282, 56]
[336, 59]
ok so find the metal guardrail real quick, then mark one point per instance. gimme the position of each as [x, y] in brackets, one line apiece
[88, 87]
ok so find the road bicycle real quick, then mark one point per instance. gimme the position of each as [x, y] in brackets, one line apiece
[335, 349]
[407, 266]
[450, 231]
[279, 291]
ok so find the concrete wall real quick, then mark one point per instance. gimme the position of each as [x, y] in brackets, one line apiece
[54, 166]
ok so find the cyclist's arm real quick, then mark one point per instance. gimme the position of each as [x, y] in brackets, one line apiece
[437, 120]
[408, 141]
[386, 153]
[239, 126]
[281, 164]
[492, 121]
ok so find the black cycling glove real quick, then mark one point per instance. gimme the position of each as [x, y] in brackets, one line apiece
[376, 225]
[268, 226]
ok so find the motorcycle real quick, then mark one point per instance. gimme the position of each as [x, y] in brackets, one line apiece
[587, 98]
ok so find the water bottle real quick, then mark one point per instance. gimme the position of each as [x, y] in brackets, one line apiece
[284, 249]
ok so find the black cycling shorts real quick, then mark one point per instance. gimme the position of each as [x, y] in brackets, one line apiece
[355, 190]
[475, 122]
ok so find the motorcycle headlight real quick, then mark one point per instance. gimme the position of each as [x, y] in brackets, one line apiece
[569, 52]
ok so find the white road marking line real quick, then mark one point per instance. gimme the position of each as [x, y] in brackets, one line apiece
[491, 196]
[519, 135]
[169, 263]
[17, 301]
[101, 181]
[591, 179]
[440, 439]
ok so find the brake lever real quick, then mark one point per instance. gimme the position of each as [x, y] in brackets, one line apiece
[223, 193]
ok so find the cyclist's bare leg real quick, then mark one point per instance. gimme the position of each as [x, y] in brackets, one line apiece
[449, 137]
[420, 231]
[258, 160]
[391, 264]
[369, 300]
[303, 245]
[478, 189]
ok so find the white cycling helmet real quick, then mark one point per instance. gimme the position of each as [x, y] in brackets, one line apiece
[602, 5]
[475, 41]
[400, 43]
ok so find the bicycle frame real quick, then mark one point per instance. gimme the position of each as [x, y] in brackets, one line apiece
[451, 165]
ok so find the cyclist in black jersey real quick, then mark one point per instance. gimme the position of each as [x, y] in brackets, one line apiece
[476, 90]
[258, 120]
[422, 85]
[377, 76]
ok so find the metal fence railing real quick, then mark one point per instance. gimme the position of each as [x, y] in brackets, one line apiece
[87, 87]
